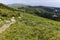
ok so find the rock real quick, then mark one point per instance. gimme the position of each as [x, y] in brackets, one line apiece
[7, 21]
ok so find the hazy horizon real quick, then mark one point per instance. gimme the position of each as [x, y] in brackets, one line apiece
[52, 3]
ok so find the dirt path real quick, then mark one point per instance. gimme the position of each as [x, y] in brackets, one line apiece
[4, 27]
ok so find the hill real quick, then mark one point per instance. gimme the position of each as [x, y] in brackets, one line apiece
[17, 4]
[47, 8]
[29, 26]
[32, 27]
[6, 11]
[43, 11]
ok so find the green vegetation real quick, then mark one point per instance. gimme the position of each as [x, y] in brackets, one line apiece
[29, 26]
[2, 23]
[32, 27]
[40, 11]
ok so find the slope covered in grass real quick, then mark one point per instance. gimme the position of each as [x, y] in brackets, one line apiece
[28, 26]
[6, 11]
[31, 27]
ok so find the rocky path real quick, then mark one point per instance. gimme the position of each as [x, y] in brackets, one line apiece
[4, 27]
[7, 25]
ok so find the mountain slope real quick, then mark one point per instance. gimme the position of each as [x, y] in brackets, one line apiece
[30, 27]
[46, 12]
[6, 11]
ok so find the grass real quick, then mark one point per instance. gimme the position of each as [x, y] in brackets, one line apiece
[28, 27]
[2, 23]
[32, 28]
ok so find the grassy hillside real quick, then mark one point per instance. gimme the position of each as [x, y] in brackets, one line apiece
[41, 11]
[30, 27]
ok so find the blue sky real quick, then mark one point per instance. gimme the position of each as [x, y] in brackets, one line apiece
[55, 3]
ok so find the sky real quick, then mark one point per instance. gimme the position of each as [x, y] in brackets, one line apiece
[54, 3]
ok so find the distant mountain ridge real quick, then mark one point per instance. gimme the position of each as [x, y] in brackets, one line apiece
[17, 4]
[49, 9]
